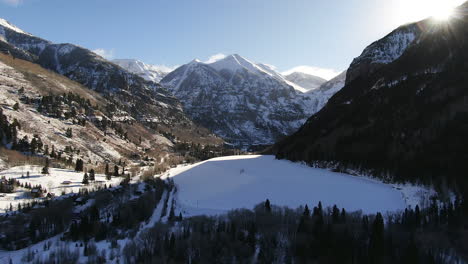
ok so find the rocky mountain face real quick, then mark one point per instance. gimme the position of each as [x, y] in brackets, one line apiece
[384, 51]
[306, 81]
[246, 103]
[321, 95]
[144, 101]
[404, 114]
[146, 71]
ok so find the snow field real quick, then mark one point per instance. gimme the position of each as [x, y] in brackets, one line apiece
[52, 182]
[221, 184]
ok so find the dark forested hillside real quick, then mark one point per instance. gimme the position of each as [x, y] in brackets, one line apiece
[408, 118]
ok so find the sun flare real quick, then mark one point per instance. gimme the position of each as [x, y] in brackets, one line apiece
[415, 10]
[443, 13]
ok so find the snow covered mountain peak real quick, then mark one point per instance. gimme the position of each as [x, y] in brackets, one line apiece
[195, 61]
[244, 102]
[307, 81]
[4, 23]
[149, 72]
[234, 63]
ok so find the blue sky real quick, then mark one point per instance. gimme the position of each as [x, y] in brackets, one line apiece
[284, 33]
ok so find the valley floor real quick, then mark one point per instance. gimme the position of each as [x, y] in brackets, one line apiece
[217, 186]
[221, 184]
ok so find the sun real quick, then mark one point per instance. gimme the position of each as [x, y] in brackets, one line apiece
[415, 10]
[443, 13]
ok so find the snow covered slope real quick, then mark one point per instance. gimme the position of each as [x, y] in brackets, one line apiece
[144, 101]
[26, 83]
[246, 103]
[321, 95]
[51, 182]
[384, 51]
[306, 81]
[248, 180]
[10, 26]
[146, 71]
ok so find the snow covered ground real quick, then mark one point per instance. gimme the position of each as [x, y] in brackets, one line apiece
[220, 184]
[52, 182]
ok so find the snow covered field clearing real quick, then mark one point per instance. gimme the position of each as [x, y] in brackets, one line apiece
[221, 184]
[52, 182]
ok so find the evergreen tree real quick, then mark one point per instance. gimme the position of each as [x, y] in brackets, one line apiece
[343, 215]
[306, 211]
[79, 165]
[92, 175]
[335, 214]
[116, 171]
[69, 133]
[267, 206]
[52, 153]
[85, 179]
[45, 170]
[417, 216]
[376, 243]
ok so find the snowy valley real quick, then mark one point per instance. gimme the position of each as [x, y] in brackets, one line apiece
[107, 160]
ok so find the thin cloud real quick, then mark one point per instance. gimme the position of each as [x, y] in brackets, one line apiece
[215, 58]
[12, 2]
[327, 74]
[107, 54]
[166, 68]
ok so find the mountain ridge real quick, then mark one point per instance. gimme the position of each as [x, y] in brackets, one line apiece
[243, 102]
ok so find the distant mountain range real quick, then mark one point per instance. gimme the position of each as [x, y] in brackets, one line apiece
[245, 103]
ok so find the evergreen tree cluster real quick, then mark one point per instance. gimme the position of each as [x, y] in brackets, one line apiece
[270, 234]
[199, 152]
[9, 185]
[8, 130]
[66, 106]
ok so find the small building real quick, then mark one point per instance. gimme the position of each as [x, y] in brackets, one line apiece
[36, 192]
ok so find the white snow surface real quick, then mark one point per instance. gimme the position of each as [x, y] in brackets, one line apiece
[10, 26]
[305, 81]
[221, 184]
[52, 182]
[321, 95]
[148, 72]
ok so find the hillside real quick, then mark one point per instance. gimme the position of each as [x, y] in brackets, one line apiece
[406, 118]
[48, 106]
[144, 101]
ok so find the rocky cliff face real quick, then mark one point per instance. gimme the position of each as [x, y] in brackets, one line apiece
[383, 51]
